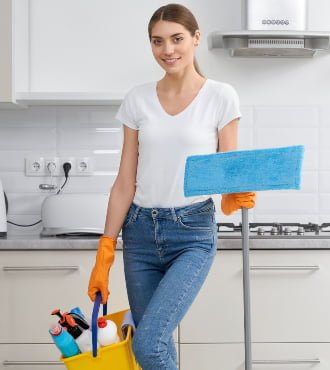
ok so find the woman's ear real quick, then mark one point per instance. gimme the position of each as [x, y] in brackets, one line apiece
[197, 37]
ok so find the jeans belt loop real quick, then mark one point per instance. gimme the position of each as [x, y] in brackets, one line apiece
[136, 212]
[174, 215]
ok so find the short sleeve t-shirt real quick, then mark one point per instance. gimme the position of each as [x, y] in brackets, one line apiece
[165, 141]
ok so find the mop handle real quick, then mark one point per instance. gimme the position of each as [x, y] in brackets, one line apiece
[246, 289]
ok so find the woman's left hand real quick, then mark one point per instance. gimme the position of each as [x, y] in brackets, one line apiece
[234, 201]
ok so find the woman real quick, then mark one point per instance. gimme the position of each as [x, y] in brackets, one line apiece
[169, 241]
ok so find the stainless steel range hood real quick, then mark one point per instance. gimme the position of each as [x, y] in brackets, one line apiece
[272, 28]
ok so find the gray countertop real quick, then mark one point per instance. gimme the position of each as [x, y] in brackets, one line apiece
[35, 242]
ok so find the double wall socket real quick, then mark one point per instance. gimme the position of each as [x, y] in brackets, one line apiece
[80, 166]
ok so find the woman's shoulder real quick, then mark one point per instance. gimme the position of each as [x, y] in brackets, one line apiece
[222, 88]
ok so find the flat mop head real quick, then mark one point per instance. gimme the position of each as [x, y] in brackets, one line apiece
[244, 170]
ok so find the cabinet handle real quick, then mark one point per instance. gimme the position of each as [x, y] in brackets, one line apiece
[315, 267]
[24, 363]
[40, 268]
[285, 362]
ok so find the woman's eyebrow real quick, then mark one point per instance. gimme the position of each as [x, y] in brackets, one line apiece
[174, 35]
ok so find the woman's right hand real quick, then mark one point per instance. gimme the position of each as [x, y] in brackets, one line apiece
[99, 279]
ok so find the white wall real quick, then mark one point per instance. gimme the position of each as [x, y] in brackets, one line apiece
[114, 38]
[284, 101]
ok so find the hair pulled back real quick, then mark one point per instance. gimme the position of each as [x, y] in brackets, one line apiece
[176, 13]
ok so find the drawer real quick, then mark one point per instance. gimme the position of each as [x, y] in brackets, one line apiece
[290, 299]
[30, 357]
[217, 313]
[290, 296]
[265, 356]
[34, 283]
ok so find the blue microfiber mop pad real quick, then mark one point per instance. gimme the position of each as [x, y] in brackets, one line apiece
[244, 170]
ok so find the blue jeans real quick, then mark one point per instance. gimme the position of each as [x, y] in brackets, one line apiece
[167, 254]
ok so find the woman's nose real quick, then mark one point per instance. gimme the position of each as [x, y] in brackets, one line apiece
[168, 48]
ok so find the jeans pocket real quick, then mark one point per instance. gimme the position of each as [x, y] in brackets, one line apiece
[129, 217]
[198, 221]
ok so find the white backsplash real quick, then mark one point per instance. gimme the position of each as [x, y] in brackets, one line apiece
[93, 132]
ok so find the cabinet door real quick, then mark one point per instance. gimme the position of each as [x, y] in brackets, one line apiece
[217, 313]
[212, 356]
[34, 283]
[265, 356]
[289, 298]
[30, 357]
[6, 43]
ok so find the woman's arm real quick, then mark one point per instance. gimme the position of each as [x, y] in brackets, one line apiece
[123, 189]
[228, 137]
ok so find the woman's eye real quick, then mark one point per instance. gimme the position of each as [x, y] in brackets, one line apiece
[156, 42]
[178, 39]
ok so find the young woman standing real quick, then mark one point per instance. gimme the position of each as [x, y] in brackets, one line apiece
[169, 241]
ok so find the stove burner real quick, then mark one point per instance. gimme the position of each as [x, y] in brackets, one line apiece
[275, 228]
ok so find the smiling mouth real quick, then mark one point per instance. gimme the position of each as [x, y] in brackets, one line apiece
[170, 61]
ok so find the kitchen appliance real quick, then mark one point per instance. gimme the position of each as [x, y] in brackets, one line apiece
[272, 28]
[74, 214]
[3, 212]
[275, 230]
[275, 15]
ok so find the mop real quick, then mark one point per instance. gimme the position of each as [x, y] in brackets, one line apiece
[244, 171]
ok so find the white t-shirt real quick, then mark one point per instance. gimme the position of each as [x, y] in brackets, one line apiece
[165, 141]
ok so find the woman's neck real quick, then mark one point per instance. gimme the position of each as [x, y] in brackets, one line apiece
[182, 82]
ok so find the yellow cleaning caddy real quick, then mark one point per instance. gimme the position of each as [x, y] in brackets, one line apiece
[117, 356]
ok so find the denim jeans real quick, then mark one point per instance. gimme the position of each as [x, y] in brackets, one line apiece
[167, 254]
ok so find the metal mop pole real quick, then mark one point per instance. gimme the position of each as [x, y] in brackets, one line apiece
[246, 289]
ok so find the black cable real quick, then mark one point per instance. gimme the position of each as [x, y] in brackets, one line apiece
[66, 169]
[59, 190]
[13, 223]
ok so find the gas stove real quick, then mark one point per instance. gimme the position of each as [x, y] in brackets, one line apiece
[274, 230]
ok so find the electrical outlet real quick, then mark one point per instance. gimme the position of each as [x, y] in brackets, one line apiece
[84, 167]
[52, 166]
[34, 166]
[70, 160]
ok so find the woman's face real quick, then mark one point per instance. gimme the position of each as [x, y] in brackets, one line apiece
[173, 46]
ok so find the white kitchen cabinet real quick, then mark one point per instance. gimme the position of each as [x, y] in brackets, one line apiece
[30, 357]
[291, 304]
[81, 56]
[6, 56]
[14, 46]
[34, 283]
[265, 356]
[217, 313]
[290, 299]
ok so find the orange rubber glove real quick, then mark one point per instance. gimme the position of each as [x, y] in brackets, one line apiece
[99, 279]
[234, 201]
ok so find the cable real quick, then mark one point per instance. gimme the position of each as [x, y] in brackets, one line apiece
[13, 223]
[66, 169]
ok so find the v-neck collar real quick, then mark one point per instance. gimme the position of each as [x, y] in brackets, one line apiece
[193, 102]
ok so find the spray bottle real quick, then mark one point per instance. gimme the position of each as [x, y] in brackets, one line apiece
[63, 340]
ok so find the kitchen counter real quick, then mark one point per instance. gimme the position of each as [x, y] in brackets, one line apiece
[35, 242]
